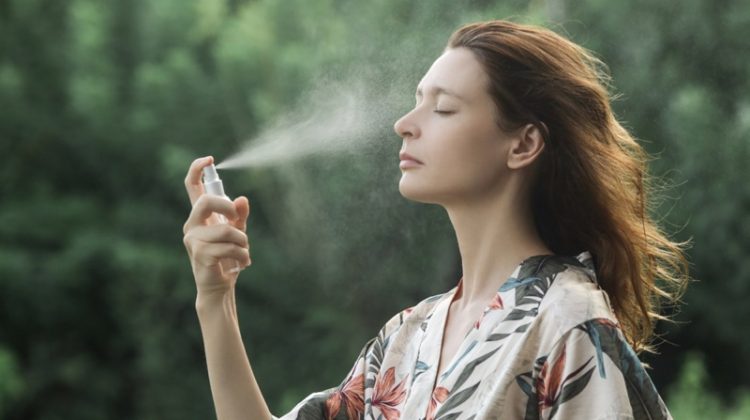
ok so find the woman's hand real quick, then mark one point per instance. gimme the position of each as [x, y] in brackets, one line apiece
[207, 241]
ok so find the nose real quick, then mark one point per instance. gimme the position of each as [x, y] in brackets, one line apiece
[406, 127]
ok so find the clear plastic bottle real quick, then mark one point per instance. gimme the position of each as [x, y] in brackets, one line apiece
[213, 185]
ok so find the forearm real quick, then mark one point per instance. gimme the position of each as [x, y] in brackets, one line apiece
[235, 391]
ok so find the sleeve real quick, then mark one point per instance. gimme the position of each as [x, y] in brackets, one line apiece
[344, 402]
[593, 373]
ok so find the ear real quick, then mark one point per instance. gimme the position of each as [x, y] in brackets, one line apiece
[527, 146]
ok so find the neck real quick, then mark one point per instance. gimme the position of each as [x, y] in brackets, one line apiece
[495, 234]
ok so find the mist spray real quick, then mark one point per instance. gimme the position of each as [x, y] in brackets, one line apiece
[213, 186]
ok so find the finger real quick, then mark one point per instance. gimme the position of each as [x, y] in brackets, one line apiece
[242, 205]
[217, 233]
[210, 253]
[193, 183]
[205, 206]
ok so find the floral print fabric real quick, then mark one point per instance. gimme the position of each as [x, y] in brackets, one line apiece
[547, 346]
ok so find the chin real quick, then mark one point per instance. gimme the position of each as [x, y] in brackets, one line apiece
[413, 192]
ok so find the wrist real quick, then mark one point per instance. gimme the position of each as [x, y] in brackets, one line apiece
[213, 299]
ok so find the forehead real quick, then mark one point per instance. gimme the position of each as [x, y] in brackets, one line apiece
[458, 71]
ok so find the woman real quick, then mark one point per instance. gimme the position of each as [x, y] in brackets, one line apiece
[513, 134]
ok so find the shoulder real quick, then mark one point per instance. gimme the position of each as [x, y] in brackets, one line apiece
[596, 373]
[584, 349]
[574, 296]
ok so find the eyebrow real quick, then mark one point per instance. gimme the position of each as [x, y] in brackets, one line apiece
[438, 90]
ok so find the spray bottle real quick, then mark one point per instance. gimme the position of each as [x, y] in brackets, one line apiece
[213, 186]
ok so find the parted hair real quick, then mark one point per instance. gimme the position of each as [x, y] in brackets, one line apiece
[592, 189]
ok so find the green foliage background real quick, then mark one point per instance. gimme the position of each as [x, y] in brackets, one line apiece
[104, 103]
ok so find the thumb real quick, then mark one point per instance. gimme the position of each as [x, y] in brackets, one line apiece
[242, 205]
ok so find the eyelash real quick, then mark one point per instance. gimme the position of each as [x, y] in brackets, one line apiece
[437, 111]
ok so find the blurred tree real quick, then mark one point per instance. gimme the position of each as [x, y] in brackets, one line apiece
[683, 69]
[105, 103]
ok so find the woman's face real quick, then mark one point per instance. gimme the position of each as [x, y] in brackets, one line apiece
[452, 130]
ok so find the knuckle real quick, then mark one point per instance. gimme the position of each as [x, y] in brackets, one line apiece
[225, 230]
[200, 201]
[202, 204]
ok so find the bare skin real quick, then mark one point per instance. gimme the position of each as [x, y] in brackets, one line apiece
[478, 173]
[457, 325]
[235, 391]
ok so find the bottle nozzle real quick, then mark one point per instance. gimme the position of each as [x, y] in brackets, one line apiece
[210, 174]
[211, 181]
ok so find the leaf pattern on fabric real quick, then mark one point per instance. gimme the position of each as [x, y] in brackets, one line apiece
[438, 397]
[607, 339]
[497, 337]
[470, 367]
[517, 314]
[455, 400]
[457, 362]
[496, 303]
[463, 377]
[387, 396]
[551, 386]
[351, 395]
[546, 387]
[545, 347]
[526, 382]
[536, 276]
[420, 368]
[379, 344]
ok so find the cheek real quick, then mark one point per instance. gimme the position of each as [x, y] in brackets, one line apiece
[471, 170]
[468, 145]
[466, 158]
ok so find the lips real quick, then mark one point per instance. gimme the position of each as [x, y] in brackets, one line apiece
[405, 156]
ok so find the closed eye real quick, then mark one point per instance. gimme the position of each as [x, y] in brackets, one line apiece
[443, 112]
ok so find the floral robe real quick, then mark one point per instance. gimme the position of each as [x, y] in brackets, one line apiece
[547, 346]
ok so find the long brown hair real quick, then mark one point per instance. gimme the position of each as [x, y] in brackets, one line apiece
[593, 188]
